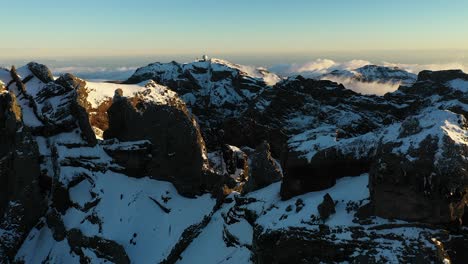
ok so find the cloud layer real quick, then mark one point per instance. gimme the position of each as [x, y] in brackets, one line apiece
[97, 72]
[316, 68]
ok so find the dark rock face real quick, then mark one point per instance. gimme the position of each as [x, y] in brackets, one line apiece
[21, 201]
[264, 170]
[236, 166]
[409, 127]
[441, 76]
[235, 159]
[327, 207]
[428, 183]
[103, 248]
[322, 171]
[431, 83]
[247, 131]
[41, 72]
[178, 152]
[456, 247]
[60, 198]
[135, 158]
[298, 246]
[465, 216]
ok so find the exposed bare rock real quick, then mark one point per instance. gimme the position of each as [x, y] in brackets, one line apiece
[134, 157]
[103, 248]
[327, 207]
[264, 170]
[21, 200]
[178, 152]
[41, 72]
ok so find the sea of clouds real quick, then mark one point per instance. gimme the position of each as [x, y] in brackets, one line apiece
[319, 67]
[96, 73]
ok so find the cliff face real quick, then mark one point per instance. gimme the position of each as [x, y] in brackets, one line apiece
[212, 162]
[21, 201]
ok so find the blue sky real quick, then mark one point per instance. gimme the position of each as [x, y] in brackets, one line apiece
[141, 27]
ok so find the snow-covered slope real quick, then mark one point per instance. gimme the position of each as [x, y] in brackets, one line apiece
[213, 89]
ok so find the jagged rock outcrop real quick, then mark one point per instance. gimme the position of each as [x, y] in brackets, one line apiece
[80, 106]
[264, 170]
[58, 106]
[317, 117]
[41, 72]
[178, 150]
[233, 163]
[62, 106]
[21, 200]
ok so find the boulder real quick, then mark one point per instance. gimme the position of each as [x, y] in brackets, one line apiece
[327, 207]
[41, 72]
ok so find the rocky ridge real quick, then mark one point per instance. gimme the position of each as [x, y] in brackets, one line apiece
[121, 172]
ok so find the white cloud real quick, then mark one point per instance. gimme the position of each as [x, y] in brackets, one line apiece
[416, 68]
[96, 72]
[378, 88]
[316, 68]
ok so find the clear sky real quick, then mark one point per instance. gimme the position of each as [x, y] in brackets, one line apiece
[51, 28]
